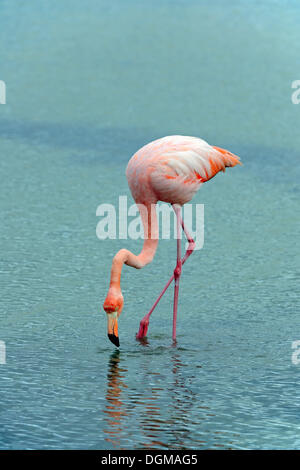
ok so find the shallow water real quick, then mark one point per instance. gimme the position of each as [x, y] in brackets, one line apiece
[85, 89]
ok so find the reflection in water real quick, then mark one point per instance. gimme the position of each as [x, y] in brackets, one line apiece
[168, 427]
[160, 403]
[114, 406]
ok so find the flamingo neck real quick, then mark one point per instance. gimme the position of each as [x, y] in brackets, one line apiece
[150, 225]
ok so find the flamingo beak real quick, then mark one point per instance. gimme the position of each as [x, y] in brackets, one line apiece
[112, 328]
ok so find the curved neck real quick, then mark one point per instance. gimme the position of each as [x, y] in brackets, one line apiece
[149, 221]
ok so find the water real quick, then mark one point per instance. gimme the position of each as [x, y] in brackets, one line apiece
[85, 89]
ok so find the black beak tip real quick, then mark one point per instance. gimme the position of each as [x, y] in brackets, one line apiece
[114, 339]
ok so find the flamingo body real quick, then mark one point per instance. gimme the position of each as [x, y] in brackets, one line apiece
[173, 168]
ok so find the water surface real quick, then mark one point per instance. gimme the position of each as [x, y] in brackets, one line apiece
[86, 87]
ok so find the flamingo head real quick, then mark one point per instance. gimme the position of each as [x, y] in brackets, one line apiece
[113, 306]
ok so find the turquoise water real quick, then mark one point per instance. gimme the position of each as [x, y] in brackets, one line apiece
[86, 87]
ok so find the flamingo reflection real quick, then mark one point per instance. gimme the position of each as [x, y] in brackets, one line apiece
[114, 409]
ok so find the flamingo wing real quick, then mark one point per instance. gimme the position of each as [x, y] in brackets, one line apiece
[178, 165]
[193, 159]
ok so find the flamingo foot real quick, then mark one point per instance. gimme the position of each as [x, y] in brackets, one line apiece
[143, 329]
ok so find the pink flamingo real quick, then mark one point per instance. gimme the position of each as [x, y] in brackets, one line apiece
[171, 170]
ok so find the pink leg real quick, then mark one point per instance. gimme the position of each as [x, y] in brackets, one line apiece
[145, 321]
[177, 270]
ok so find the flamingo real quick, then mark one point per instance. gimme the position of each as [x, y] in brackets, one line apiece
[170, 169]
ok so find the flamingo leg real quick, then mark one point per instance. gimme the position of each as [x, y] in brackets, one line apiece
[177, 270]
[145, 321]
